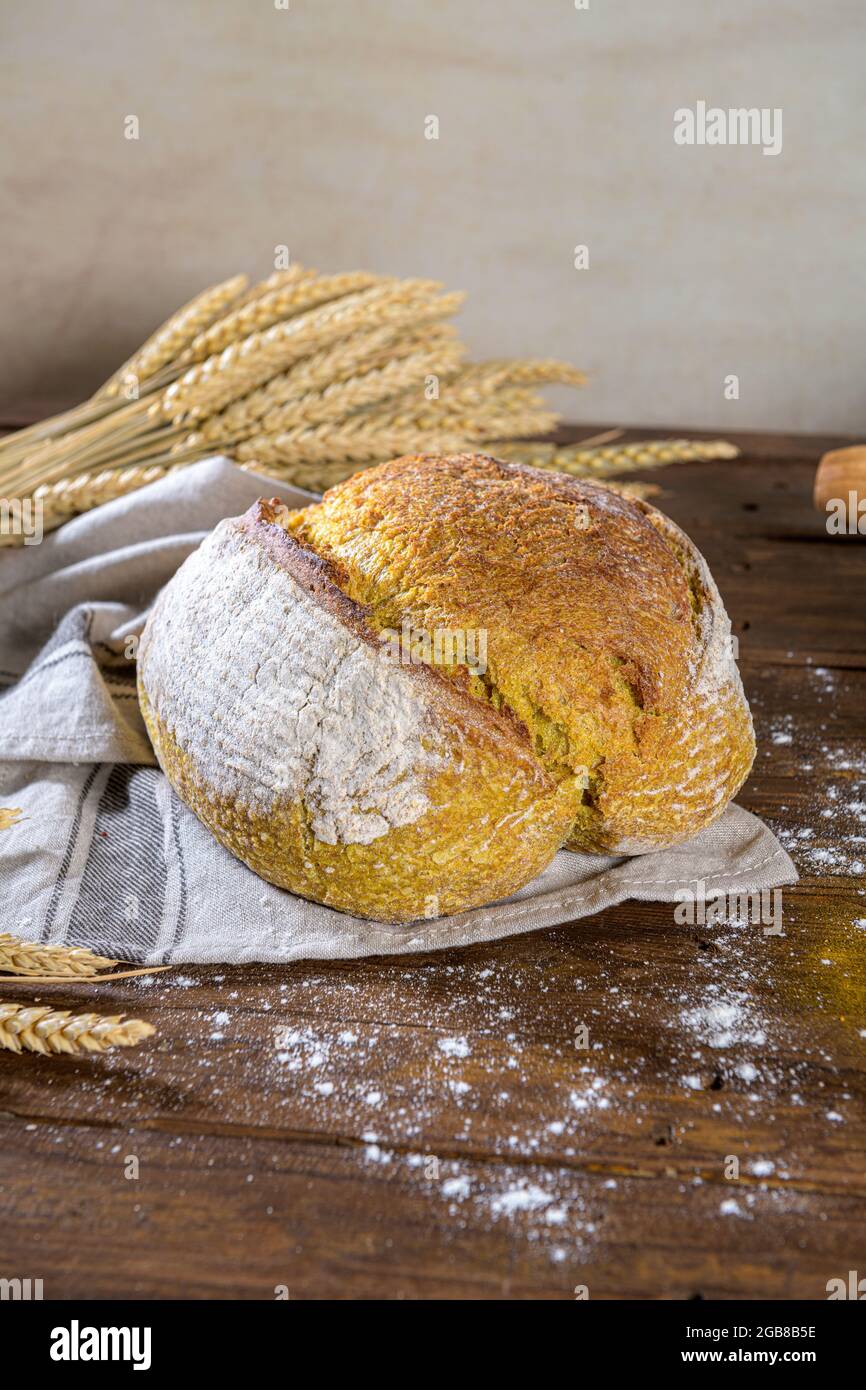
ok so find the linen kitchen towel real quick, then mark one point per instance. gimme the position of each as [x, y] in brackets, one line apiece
[105, 855]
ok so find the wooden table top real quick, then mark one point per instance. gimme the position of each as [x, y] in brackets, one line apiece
[428, 1128]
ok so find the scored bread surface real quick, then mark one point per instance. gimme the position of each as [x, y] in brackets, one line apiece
[610, 715]
[606, 634]
[331, 770]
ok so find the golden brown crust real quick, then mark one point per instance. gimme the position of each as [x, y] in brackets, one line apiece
[493, 822]
[599, 617]
[610, 716]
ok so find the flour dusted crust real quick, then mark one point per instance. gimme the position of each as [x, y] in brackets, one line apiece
[610, 716]
[274, 694]
[332, 770]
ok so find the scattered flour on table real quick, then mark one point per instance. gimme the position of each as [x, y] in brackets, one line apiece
[761, 1167]
[726, 1020]
[832, 839]
[731, 1207]
[707, 1031]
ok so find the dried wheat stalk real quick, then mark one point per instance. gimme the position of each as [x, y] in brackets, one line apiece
[619, 458]
[343, 398]
[320, 365]
[325, 443]
[38, 1028]
[653, 453]
[468, 406]
[516, 371]
[33, 958]
[366, 389]
[376, 438]
[21, 444]
[74, 495]
[320, 451]
[77, 451]
[373, 348]
[70, 496]
[283, 303]
[170, 340]
[462, 392]
[210, 385]
[277, 281]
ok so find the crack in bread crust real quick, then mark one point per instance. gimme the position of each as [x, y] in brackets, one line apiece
[327, 581]
[599, 635]
[609, 715]
[281, 721]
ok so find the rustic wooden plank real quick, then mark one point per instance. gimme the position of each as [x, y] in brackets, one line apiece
[668, 1113]
[334, 1224]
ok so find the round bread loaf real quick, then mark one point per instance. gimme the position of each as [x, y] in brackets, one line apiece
[403, 700]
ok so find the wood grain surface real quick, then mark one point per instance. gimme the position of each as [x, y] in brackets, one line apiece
[433, 1126]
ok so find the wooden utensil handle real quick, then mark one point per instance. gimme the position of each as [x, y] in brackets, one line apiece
[840, 490]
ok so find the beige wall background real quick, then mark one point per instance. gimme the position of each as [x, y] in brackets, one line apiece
[305, 126]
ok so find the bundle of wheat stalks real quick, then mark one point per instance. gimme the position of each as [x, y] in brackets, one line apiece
[305, 377]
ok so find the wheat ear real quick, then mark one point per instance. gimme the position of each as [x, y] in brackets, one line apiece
[278, 281]
[170, 340]
[467, 406]
[342, 398]
[210, 385]
[273, 307]
[517, 371]
[620, 458]
[282, 454]
[464, 391]
[374, 348]
[375, 437]
[69, 496]
[654, 453]
[33, 958]
[38, 1028]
